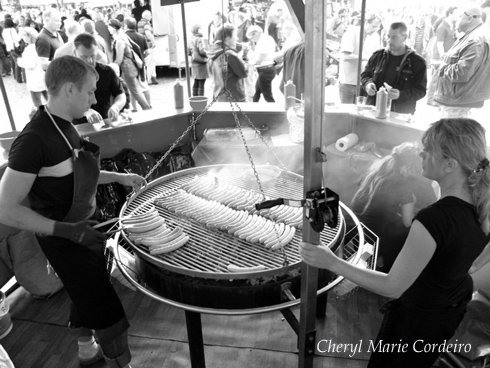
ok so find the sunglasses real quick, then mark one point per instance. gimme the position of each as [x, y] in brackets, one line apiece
[471, 16]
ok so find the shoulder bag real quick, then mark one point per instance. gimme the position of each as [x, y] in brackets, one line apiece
[197, 57]
[19, 46]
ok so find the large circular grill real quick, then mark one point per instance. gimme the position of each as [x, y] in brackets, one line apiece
[197, 273]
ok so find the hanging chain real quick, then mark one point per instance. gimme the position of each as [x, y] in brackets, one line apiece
[259, 133]
[249, 154]
[233, 104]
[177, 141]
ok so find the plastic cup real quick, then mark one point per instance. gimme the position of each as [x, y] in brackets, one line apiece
[388, 107]
[361, 100]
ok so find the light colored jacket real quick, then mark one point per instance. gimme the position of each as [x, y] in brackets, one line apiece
[11, 38]
[464, 78]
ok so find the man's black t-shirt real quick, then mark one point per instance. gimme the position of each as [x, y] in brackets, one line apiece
[392, 68]
[47, 43]
[41, 150]
[108, 86]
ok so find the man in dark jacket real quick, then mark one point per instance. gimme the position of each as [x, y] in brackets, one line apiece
[294, 68]
[399, 69]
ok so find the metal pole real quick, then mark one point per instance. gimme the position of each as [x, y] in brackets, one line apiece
[315, 56]
[7, 104]
[361, 45]
[187, 73]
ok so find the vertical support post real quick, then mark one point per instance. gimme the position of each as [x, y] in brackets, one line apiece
[7, 104]
[361, 45]
[315, 56]
[187, 70]
[196, 342]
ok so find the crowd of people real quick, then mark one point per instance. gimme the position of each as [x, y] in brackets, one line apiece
[244, 50]
[243, 53]
[92, 65]
[119, 43]
[441, 55]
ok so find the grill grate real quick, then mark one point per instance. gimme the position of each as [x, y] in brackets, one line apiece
[208, 252]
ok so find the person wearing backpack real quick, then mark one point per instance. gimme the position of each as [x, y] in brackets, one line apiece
[145, 28]
[227, 66]
[126, 57]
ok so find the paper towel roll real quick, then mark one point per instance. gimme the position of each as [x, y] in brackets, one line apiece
[346, 142]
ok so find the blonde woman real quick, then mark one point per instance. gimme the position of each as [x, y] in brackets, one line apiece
[429, 280]
[385, 201]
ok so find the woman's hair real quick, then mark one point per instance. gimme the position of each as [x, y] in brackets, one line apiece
[9, 23]
[114, 23]
[224, 31]
[401, 163]
[195, 29]
[464, 140]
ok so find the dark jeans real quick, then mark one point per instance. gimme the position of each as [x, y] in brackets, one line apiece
[347, 93]
[198, 87]
[264, 84]
[18, 71]
[405, 324]
[5, 63]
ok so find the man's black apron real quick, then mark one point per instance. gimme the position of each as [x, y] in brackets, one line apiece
[82, 269]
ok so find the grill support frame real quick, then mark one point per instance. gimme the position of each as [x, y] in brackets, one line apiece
[315, 56]
[193, 313]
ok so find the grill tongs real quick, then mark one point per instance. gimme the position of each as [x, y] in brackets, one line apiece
[322, 207]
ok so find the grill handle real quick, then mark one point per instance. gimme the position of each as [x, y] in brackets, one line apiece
[269, 204]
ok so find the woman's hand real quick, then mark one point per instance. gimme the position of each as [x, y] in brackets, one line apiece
[318, 256]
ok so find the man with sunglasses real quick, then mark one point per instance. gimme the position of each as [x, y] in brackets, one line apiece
[463, 77]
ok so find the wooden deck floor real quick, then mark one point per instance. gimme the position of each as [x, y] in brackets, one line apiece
[158, 336]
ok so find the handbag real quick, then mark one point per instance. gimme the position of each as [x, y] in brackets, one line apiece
[19, 49]
[137, 60]
[136, 54]
[197, 57]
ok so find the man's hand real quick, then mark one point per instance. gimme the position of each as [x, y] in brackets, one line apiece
[371, 89]
[113, 113]
[80, 232]
[132, 180]
[93, 117]
[393, 94]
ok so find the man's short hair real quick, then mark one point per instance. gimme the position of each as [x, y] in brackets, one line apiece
[86, 40]
[130, 23]
[72, 28]
[399, 25]
[88, 26]
[49, 13]
[146, 15]
[226, 30]
[67, 69]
